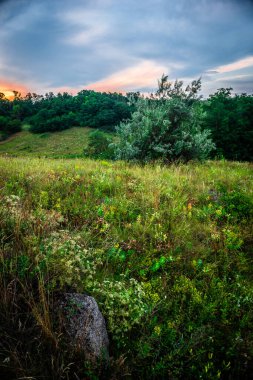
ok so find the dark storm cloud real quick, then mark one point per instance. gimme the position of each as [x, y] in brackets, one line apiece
[72, 43]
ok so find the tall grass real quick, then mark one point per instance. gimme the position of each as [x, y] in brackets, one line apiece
[166, 252]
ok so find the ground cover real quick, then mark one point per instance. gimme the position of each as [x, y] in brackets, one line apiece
[165, 250]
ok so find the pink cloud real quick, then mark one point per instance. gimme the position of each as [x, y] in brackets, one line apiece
[144, 74]
[237, 65]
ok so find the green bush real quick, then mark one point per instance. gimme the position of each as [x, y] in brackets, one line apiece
[99, 145]
[168, 128]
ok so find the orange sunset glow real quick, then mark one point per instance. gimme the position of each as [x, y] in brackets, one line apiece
[7, 87]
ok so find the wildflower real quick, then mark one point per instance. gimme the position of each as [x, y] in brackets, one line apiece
[189, 206]
[157, 330]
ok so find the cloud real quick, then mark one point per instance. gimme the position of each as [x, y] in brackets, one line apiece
[237, 65]
[86, 37]
[141, 76]
[50, 44]
[86, 26]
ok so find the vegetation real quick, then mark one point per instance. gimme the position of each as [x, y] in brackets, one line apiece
[9, 122]
[99, 145]
[69, 143]
[52, 113]
[230, 119]
[174, 124]
[167, 127]
[166, 251]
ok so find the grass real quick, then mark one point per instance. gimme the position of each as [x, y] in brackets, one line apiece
[68, 143]
[166, 252]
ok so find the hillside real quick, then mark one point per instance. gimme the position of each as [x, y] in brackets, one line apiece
[68, 143]
[165, 251]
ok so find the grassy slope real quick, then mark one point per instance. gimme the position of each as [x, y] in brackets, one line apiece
[183, 233]
[68, 143]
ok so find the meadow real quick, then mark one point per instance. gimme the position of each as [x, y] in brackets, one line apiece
[165, 250]
[69, 143]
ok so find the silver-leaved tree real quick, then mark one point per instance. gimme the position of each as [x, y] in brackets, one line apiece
[165, 126]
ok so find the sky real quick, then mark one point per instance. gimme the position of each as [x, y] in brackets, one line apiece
[125, 45]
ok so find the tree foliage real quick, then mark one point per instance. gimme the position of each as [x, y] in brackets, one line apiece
[87, 108]
[99, 145]
[168, 126]
[51, 112]
[230, 119]
[172, 124]
[9, 117]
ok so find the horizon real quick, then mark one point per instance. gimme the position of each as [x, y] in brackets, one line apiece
[107, 46]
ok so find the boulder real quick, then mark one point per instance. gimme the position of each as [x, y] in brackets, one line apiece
[85, 326]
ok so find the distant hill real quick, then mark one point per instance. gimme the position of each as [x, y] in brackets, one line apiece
[68, 143]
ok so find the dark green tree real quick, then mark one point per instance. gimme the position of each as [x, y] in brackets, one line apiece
[230, 119]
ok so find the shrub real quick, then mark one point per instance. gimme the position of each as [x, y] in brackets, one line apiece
[168, 128]
[99, 145]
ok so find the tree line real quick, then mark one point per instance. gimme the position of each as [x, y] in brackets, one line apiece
[50, 113]
[174, 123]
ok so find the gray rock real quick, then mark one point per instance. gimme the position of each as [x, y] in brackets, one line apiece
[85, 326]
